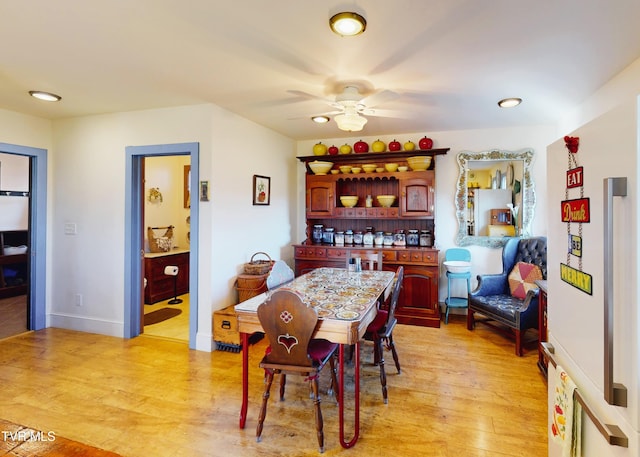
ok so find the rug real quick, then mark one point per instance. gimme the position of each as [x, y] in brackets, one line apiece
[18, 440]
[160, 315]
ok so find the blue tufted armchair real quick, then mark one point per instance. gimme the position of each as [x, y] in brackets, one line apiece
[493, 300]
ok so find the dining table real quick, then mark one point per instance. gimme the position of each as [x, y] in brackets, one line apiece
[346, 302]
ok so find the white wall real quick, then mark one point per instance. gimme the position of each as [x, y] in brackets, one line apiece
[485, 260]
[89, 191]
[14, 176]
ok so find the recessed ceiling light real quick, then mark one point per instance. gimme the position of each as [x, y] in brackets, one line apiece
[320, 119]
[348, 24]
[509, 102]
[46, 96]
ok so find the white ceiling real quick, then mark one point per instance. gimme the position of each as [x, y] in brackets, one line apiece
[449, 60]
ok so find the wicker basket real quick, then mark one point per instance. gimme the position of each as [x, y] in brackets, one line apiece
[258, 267]
[160, 243]
[250, 285]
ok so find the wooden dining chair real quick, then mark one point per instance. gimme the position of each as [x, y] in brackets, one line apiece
[380, 332]
[370, 260]
[289, 325]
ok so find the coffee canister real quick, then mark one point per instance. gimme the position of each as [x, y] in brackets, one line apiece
[348, 236]
[413, 238]
[425, 238]
[317, 233]
[328, 236]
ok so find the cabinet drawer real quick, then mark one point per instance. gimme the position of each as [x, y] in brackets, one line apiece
[311, 252]
[389, 256]
[337, 253]
[430, 257]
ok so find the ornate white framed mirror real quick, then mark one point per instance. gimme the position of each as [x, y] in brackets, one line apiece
[488, 182]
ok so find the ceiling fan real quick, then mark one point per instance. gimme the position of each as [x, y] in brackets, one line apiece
[351, 106]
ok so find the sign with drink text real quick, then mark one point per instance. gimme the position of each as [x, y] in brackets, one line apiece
[575, 210]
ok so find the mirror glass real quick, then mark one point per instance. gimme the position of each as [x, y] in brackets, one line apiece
[488, 182]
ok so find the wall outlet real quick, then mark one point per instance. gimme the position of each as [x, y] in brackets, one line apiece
[78, 299]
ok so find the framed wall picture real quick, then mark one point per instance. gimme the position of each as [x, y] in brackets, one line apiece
[204, 191]
[261, 190]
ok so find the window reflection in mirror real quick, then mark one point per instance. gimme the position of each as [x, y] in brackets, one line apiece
[487, 183]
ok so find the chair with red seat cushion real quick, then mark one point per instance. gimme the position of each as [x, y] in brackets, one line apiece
[381, 331]
[290, 325]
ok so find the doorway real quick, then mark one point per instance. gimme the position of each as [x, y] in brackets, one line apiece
[24, 276]
[166, 260]
[135, 228]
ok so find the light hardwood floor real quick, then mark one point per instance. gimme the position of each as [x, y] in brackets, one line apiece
[460, 394]
[13, 315]
[177, 327]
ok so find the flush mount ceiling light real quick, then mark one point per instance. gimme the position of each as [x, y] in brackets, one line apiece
[509, 102]
[320, 119]
[347, 24]
[350, 122]
[46, 96]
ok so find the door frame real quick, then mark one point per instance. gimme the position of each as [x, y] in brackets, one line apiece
[37, 232]
[134, 248]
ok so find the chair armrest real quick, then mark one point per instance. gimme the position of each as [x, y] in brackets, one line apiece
[530, 298]
[494, 284]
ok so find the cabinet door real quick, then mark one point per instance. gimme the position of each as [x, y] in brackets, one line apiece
[418, 301]
[416, 196]
[320, 198]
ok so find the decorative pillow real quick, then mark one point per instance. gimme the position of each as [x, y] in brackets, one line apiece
[522, 279]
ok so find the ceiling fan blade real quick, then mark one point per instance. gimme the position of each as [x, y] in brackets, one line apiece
[307, 116]
[385, 113]
[309, 96]
[379, 98]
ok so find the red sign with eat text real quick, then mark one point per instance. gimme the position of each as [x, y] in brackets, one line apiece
[574, 177]
[575, 210]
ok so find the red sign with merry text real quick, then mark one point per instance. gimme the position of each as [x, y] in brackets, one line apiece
[575, 210]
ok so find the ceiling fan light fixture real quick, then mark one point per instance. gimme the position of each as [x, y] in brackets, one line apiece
[509, 102]
[320, 119]
[350, 122]
[46, 96]
[347, 24]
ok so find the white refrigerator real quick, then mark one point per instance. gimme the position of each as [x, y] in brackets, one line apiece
[592, 283]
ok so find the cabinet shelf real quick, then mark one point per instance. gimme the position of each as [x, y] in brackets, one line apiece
[14, 271]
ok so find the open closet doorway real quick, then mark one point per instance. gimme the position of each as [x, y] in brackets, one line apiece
[167, 241]
[14, 244]
[23, 216]
[139, 189]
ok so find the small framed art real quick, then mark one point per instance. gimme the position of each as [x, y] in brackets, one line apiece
[261, 190]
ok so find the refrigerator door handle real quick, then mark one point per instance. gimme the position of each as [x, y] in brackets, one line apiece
[614, 393]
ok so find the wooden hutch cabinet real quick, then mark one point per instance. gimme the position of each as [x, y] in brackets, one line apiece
[413, 209]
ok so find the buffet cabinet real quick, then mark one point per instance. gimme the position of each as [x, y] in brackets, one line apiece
[418, 302]
[14, 263]
[159, 285]
[413, 208]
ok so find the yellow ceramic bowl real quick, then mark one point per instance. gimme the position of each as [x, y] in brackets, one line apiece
[419, 163]
[355, 170]
[380, 169]
[391, 167]
[345, 168]
[320, 168]
[335, 172]
[349, 201]
[386, 200]
[369, 167]
[403, 168]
